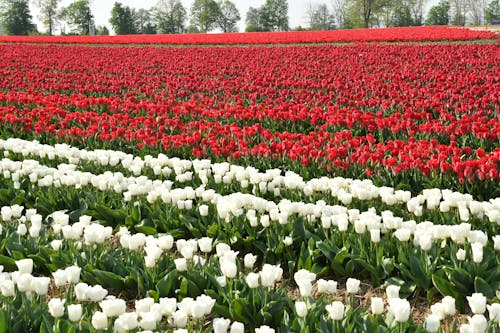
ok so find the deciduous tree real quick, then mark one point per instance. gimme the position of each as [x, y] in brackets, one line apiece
[16, 17]
[439, 14]
[204, 14]
[228, 16]
[169, 16]
[48, 13]
[79, 15]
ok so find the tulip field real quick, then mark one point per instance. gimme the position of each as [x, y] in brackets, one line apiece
[346, 182]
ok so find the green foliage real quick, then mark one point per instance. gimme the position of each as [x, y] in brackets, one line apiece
[204, 14]
[48, 13]
[439, 14]
[122, 20]
[16, 17]
[79, 15]
[228, 16]
[493, 11]
[320, 18]
[272, 16]
[169, 16]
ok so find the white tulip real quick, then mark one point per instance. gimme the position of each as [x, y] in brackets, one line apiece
[377, 305]
[494, 312]
[252, 280]
[449, 305]
[432, 323]
[392, 291]
[400, 309]
[221, 325]
[264, 329]
[335, 310]
[180, 264]
[352, 285]
[25, 266]
[478, 323]
[237, 327]
[477, 303]
[56, 307]
[75, 312]
[477, 252]
[113, 307]
[301, 308]
[249, 260]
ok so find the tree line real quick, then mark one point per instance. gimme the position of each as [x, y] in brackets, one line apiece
[170, 16]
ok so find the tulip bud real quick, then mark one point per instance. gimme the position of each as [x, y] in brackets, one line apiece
[180, 318]
[335, 310]
[75, 312]
[221, 325]
[477, 303]
[56, 307]
[73, 274]
[25, 266]
[494, 312]
[478, 323]
[461, 254]
[252, 280]
[392, 291]
[449, 306]
[375, 235]
[237, 327]
[352, 285]
[7, 288]
[180, 264]
[400, 309]
[301, 308]
[432, 324]
[205, 244]
[203, 210]
[249, 260]
[40, 285]
[377, 305]
[99, 320]
[477, 252]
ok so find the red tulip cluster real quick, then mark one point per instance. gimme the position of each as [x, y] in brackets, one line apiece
[437, 33]
[431, 108]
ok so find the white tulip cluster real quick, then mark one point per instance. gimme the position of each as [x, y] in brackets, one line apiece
[344, 189]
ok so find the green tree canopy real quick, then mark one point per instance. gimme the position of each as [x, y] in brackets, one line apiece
[16, 17]
[228, 16]
[79, 15]
[439, 14]
[169, 16]
[493, 11]
[48, 13]
[204, 14]
[320, 18]
[122, 20]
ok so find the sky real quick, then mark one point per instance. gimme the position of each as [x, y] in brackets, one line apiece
[102, 9]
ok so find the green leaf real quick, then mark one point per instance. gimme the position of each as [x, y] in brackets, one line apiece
[164, 286]
[109, 279]
[4, 323]
[481, 286]
[8, 263]
[444, 286]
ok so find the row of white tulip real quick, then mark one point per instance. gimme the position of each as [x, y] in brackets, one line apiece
[148, 314]
[273, 180]
[425, 234]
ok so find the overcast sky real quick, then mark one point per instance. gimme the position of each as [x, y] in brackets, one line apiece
[102, 9]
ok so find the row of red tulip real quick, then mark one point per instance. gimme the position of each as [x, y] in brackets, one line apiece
[400, 107]
[430, 33]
